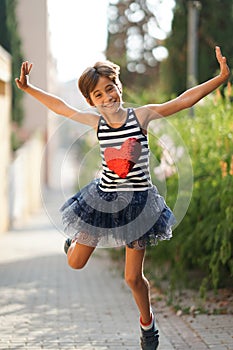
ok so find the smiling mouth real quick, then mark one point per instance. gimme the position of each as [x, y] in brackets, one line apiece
[110, 105]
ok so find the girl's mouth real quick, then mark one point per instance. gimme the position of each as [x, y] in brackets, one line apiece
[109, 105]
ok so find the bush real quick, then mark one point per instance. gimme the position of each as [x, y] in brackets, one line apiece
[203, 239]
[10, 40]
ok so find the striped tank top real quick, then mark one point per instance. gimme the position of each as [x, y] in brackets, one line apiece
[125, 156]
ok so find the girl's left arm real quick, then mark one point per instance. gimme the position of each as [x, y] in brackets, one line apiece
[190, 96]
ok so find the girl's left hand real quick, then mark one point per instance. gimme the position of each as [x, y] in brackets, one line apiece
[224, 69]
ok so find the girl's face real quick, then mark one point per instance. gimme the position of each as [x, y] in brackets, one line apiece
[106, 96]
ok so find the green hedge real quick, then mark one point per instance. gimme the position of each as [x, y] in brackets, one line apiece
[202, 243]
[11, 41]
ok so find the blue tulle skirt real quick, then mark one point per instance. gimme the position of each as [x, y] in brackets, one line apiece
[110, 219]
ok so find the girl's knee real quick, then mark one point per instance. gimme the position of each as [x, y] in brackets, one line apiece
[75, 263]
[135, 281]
[78, 255]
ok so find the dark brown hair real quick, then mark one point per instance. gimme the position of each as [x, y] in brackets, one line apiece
[90, 77]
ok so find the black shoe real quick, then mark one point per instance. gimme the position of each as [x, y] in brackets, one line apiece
[67, 245]
[150, 338]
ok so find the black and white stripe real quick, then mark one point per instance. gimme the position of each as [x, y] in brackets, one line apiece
[138, 178]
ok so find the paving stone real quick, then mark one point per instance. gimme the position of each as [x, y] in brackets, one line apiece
[44, 304]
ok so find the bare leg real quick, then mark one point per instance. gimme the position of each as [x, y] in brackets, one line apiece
[78, 255]
[136, 280]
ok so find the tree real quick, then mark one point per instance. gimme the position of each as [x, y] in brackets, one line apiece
[136, 33]
[215, 28]
[10, 40]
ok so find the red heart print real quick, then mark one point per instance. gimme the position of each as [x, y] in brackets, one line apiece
[122, 160]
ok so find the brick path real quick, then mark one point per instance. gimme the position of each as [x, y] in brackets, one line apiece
[46, 305]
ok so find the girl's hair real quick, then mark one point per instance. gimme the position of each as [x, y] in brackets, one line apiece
[90, 77]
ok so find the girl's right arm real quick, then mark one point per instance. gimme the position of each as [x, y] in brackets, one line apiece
[54, 103]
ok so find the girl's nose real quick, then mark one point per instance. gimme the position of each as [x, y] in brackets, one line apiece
[108, 97]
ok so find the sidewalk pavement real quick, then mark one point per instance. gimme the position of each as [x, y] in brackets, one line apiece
[44, 304]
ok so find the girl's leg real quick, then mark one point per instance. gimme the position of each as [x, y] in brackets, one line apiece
[78, 255]
[136, 280]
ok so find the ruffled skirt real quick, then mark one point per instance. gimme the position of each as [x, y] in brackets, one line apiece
[109, 219]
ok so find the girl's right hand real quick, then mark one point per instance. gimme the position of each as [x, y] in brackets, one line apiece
[23, 82]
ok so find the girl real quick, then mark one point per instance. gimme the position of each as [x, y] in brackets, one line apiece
[122, 207]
